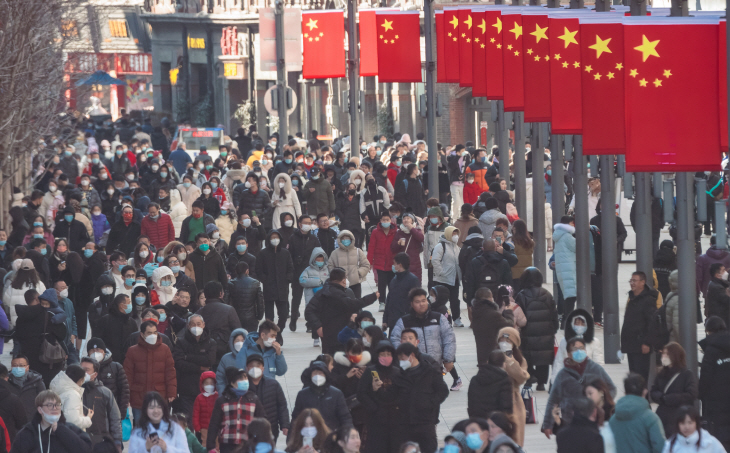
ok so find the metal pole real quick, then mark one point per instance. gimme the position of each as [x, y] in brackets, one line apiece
[353, 77]
[538, 197]
[668, 201]
[720, 226]
[557, 177]
[503, 120]
[686, 268]
[433, 181]
[609, 262]
[520, 166]
[582, 227]
[701, 184]
[644, 249]
[281, 74]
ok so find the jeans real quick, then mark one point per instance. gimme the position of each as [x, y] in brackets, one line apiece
[384, 278]
[457, 199]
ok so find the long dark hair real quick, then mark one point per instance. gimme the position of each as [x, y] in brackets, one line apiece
[504, 423]
[296, 440]
[25, 276]
[139, 262]
[282, 191]
[682, 413]
[520, 235]
[144, 419]
[259, 432]
[331, 443]
[609, 406]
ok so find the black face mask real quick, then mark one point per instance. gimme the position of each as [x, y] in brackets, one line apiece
[352, 192]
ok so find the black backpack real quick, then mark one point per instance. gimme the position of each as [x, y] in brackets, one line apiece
[488, 276]
[658, 335]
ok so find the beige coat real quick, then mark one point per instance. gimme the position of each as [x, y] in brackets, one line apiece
[518, 375]
[189, 195]
[289, 204]
[87, 223]
[353, 260]
[226, 227]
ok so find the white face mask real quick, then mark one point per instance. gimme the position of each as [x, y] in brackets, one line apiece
[84, 182]
[64, 293]
[110, 191]
[247, 185]
[455, 238]
[238, 345]
[275, 242]
[666, 361]
[262, 184]
[51, 419]
[144, 254]
[365, 342]
[724, 275]
[206, 191]
[107, 290]
[309, 431]
[306, 228]
[151, 339]
[51, 189]
[289, 223]
[318, 380]
[405, 364]
[247, 223]
[358, 181]
[281, 185]
[182, 256]
[268, 343]
[580, 330]
[87, 377]
[216, 235]
[197, 331]
[209, 389]
[505, 346]
[255, 372]
[98, 356]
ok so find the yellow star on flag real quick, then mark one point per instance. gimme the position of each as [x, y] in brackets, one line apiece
[306, 35]
[565, 64]
[454, 21]
[517, 53]
[576, 64]
[557, 56]
[596, 76]
[509, 46]
[310, 39]
[316, 38]
[601, 46]
[312, 24]
[468, 21]
[498, 25]
[476, 39]
[499, 46]
[517, 30]
[569, 37]
[619, 66]
[483, 26]
[449, 35]
[388, 25]
[647, 48]
[396, 36]
[468, 39]
[547, 57]
[392, 41]
[483, 46]
[463, 35]
[385, 41]
[454, 38]
[537, 58]
[657, 83]
[610, 75]
[589, 68]
[321, 34]
[529, 51]
[491, 40]
[667, 73]
[634, 73]
[539, 33]
[642, 82]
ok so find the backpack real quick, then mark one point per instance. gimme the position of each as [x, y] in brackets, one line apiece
[488, 276]
[658, 335]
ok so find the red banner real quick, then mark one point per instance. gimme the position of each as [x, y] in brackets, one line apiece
[465, 41]
[513, 70]
[479, 54]
[536, 51]
[368, 43]
[399, 40]
[451, 43]
[440, 58]
[323, 35]
[566, 104]
[495, 66]
[723, 86]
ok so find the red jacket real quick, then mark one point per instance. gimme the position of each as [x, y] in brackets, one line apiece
[160, 232]
[379, 254]
[150, 367]
[413, 247]
[393, 171]
[472, 192]
[203, 407]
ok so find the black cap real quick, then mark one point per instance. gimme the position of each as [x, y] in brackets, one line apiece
[254, 357]
[95, 343]
[314, 171]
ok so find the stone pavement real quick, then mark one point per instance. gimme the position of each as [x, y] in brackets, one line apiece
[299, 352]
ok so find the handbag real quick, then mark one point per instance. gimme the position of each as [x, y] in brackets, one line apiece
[352, 402]
[126, 428]
[530, 406]
[51, 353]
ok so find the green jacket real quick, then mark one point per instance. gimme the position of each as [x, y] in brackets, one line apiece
[193, 443]
[322, 200]
[635, 427]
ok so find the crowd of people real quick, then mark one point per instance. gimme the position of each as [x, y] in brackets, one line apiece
[147, 291]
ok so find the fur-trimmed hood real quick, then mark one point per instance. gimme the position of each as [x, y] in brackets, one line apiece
[341, 358]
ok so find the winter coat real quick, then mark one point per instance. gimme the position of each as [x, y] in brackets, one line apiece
[211, 205]
[445, 260]
[112, 375]
[409, 192]
[327, 238]
[472, 280]
[488, 221]
[274, 364]
[220, 320]
[12, 411]
[671, 393]
[173, 435]
[149, 367]
[254, 201]
[490, 390]
[672, 303]
[479, 169]
[374, 202]
[331, 309]
[708, 444]
[226, 227]
[106, 420]
[27, 390]
[275, 270]
[208, 267]
[397, 303]
[192, 355]
[185, 227]
[273, 400]
[637, 319]
[538, 336]
[524, 260]
[379, 247]
[13, 297]
[314, 277]
[178, 212]
[717, 301]
[580, 436]
[593, 344]
[348, 211]
[71, 396]
[228, 360]
[349, 385]
[569, 384]
[432, 235]
[703, 263]
[290, 202]
[322, 200]
[327, 399]
[253, 234]
[517, 372]
[565, 266]
[486, 323]
[413, 246]
[123, 237]
[435, 334]
[350, 258]
[189, 195]
[32, 322]
[713, 390]
[233, 178]
[86, 222]
[247, 298]
[99, 224]
[463, 226]
[75, 232]
[114, 328]
[635, 427]
[421, 390]
[203, 405]
[470, 249]
[67, 438]
[300, 246]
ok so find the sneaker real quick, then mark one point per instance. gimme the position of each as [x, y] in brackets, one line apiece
[458, 323]
[316, 343]
[457, 385]
[293, 324]
[540, 387]
[381, 308]
[599, 324]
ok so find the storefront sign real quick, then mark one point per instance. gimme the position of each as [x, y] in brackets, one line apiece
[173, 76]
[196, 43]
[140, 63]
[230, 69]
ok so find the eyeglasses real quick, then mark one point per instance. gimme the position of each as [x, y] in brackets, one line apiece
[53, 405]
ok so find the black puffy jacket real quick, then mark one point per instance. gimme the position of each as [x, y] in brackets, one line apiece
[220, 320]
[246, 296]
[717, 302]
[210, 267]
[66, 439]
[421, 390]
[490, 390]
[272, 398]
[253, 234]
[538, 336]
[349, 212]
[75, 232]
[275, 270]
[300, 248]
[328, 400]
[112, 375]
[191, 355]
[234, 258]
[380, 407]
[249, 202]
[714, 391]
[637, 319]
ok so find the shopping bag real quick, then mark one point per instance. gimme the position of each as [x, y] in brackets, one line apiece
[530, 406]
[126, 428]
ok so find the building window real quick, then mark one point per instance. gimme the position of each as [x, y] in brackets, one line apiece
[118, 28]
[69, 29]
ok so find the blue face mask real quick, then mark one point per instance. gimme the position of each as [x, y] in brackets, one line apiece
[18, 371]
[393, 269]
[484, 159]
[129, 281]
[175, 269]
[314, 177]
[37, 224]
[67, 153]
[88, 253]
[69, 218]
[474, 441]
[549, 172]
[433, 220]
[365, 324]
[385, 224]
[38, 236]
[295, 182]
[398, 163]
[163, 174]
[263, 447]
[319, 264]
[242, 385]
[378, 152]
[214, 185]
[2, 243]
[128, 310]
[241, 248]
[165, 283]
[186, 185]
[579, 355]
[160, 258]
[450, 448]
[204, 247]
[346, 242]
[140, 300]
[163, 317]
[288, 161]
[142, 282]
[44, 251]
[95, 161]
[224, 211]
[121, 266]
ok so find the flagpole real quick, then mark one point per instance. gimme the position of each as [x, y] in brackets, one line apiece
[353, 77]
[283, 105]
[433, 180]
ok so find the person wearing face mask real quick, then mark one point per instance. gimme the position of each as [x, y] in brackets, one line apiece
[226, 222]
[446, 270]
[149, 366]
[239, 251]
[351, 258]
[270, 393]
[194, 352]
[74, 231]
[154, 174]
[248, 198]
[110, 372]
[319, 393]
[253, 230]
[264, 343]
[234, 409]
[246, 296]
[568, 383]
[68, 387]
[45, 431]
[105, 416]
[71, 331]
[189, 192]
[88, 192]
[301, 245]
[158, 227]
[275, 271]
[579, 323]
[284, 199]
[124, 233]
[114, 328]
[515, 365]
[674, 386]
[235, 344]
[163, 286]
[318, 194]
[717, 300]
[204, 404]
[490, 390]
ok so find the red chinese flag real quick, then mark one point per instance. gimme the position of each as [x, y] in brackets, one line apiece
[536, 51]
[440, 62]
[399, 46]
[513, 70]
[323, 44]
[602, 68]
[723, 86]
[479, 54]
[465, 56]
[566, 104]
[672, 85]
[451, 43]
[368, 43]
[495, 77]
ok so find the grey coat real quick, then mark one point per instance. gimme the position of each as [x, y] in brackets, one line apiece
[488, 221]
[435, 334]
